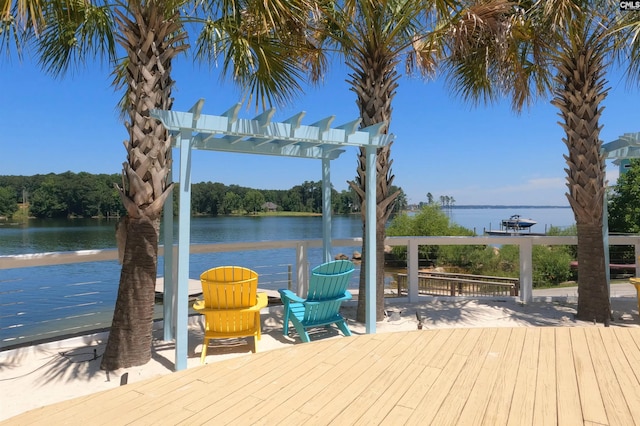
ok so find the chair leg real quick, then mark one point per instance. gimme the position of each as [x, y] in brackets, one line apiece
[342, 325]
[255, 344]
[203, 356]
[259, 322]
[302, 332]
[285, 320]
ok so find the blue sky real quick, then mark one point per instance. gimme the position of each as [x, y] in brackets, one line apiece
[477, 155]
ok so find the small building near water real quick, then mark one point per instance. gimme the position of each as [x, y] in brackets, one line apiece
[269, 206]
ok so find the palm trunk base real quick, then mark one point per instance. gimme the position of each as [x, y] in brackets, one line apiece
[593, 291]
[130, 338]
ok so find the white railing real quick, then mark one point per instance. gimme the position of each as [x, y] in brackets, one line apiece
[301, 248]
[525, 244]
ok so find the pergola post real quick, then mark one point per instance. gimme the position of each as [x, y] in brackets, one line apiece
[170, 281]
[184, 242]
[326, 210]
[370, 240]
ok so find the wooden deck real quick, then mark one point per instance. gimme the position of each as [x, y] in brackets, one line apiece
[493, 376]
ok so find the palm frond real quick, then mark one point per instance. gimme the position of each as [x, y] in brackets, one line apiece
[487, 56]
[20, 21]
[25, 13]
[627, 38]
[74, 33]
[267, 57]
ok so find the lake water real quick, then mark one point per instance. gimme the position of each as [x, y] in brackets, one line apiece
[40, 302]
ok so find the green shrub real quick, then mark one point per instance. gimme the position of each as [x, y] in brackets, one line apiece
[432, 221]
[551, 265]
[500, 262]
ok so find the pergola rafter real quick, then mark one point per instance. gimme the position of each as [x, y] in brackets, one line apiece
[192, 130]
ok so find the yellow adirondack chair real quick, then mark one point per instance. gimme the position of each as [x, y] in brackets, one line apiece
[231, 305]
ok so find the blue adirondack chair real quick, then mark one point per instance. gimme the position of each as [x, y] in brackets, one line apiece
[327, 291]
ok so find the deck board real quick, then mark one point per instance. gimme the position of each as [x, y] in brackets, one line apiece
[569, 405]
[459, 349]
[452, 407]
[523, 398]
[546, 410]
[624, 373]
[496, 376]
[608, 384]
[499, 405]
[366, 405]
[591, 402]
[476, 404]
[358, 377]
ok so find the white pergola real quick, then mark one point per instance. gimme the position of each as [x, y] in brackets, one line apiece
[620, 150]
[625, 147]
[193, 130]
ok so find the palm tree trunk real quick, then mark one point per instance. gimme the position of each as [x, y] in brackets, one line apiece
[151, 41]
[578, 96]
[130, 336]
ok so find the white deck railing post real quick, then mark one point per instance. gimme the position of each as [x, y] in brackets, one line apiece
[302, 269]
[526, 270]
[412, 271]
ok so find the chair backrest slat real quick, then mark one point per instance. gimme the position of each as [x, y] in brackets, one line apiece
[329, 280]
[228, 287]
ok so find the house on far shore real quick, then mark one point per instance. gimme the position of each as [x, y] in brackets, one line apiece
[269, 207]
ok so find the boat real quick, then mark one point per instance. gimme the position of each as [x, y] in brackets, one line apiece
[516, 222]
[514, 226]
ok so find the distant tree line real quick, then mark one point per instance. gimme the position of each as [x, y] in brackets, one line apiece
[93, 195]
[446, 201]
[61, 195]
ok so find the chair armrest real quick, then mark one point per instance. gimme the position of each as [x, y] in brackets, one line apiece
[288, 294]
[347, 296]
[263, 301]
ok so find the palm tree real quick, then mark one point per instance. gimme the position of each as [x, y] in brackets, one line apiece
[374, 37]
[560, 47]
[152, 34]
